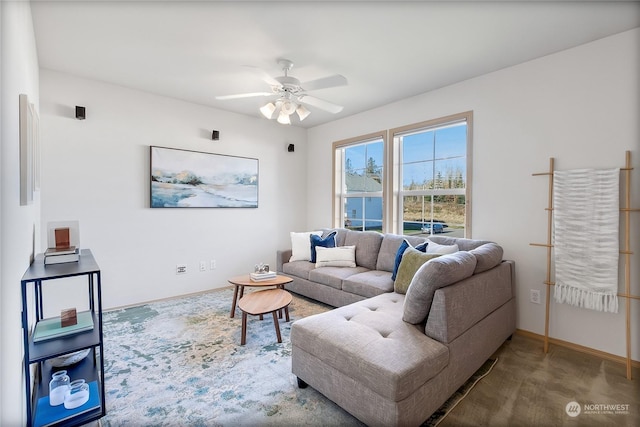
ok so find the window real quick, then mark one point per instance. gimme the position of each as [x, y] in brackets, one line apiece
[359, 177]
[433, 160]
[419, 184]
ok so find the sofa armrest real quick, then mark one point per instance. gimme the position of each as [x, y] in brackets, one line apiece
[282, 256]
[458, 307]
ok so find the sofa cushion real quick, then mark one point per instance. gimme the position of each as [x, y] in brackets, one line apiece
[479, 294]
[389, 249]
[341, 234]
[488, 256]
[369, 342]
[328, 241]
[298, 268]
[341, 256]
[435, 274]
[436, 248]
[412, 260]
[463, 243]
[367, 245]
[368, 284]
[422, 247]
[333, 276]
[301, 245]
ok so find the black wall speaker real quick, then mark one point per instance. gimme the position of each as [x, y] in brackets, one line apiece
[291, 148]
[215, 135]
[80, 113]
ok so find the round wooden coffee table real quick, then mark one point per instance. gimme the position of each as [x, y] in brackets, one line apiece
[245, 280]
[263, 302]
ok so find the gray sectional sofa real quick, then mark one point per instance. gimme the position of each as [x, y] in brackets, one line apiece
[393, 358]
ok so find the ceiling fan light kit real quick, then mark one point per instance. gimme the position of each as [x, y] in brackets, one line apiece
[283, 118]
[302, 112]
[268, 109]
[291, 95]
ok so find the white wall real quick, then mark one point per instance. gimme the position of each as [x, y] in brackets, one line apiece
[19, 225]
[97, 171]
[579, 106]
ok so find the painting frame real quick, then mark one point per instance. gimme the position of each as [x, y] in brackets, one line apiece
[29, 150]
[181, 178]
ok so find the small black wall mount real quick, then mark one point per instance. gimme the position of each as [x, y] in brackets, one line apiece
[291, 148]
[215, 135]
[80, 113]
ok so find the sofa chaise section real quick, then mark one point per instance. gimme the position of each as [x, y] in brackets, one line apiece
[387, 372]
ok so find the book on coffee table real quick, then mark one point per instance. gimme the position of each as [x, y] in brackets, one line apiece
[258, 277]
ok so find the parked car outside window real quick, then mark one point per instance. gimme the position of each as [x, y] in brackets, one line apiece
[437, 227]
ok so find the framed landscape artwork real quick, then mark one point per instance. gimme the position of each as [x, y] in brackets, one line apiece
[193, 179]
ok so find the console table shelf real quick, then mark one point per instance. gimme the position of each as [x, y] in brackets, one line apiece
[91, 368]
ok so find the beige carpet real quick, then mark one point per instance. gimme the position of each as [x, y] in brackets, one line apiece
[530, 388]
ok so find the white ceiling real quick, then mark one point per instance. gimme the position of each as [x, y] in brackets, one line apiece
[387, 50]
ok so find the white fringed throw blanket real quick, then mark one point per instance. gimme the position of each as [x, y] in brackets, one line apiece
[586, 214]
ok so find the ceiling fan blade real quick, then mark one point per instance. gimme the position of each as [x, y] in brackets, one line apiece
[325, 82]
[320, 103]
[266, 77]
[244, 95]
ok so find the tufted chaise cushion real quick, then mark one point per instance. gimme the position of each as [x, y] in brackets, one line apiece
[369, 342]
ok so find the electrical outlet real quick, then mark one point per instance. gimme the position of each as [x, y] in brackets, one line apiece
[212, 264]
[535, 296]
[203, 266]
[181, 268]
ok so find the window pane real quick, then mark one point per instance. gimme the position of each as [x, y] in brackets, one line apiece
[450, 174]
[362, 187]
[448, 215]
[417, 176]
[355, 157]
[363, 213]
[418, 147]
[434, 161]
[451, 142]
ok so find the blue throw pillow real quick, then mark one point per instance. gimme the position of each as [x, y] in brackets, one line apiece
[326, 242]
[422, 247]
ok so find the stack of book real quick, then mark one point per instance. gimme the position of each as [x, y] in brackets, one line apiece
[258, 277]
[48, 329]
[60, 255]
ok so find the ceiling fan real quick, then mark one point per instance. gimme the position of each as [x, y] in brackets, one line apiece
[291, 95]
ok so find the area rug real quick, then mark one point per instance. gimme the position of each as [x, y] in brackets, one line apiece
[180, 363]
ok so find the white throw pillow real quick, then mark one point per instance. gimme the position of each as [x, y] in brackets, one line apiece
[340, 256]
[301, 245]
[435, 248]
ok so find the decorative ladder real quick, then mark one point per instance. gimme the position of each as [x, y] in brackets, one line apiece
[626, 252]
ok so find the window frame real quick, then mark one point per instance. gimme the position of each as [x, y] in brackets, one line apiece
[392, 192]
[396, 165]
[338, 202]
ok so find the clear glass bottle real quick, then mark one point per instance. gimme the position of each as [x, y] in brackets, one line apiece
[58, 387]
[77, 395]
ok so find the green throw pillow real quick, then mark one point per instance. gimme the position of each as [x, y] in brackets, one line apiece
[412, 260]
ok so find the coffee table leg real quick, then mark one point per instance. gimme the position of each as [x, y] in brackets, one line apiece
[275, 322]
[243, 340]
[233, 303]
[286, 312]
